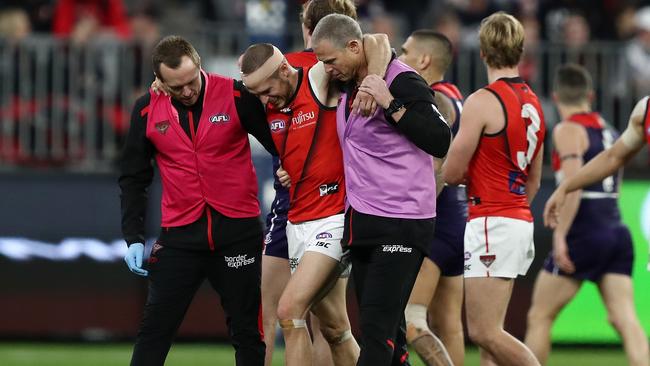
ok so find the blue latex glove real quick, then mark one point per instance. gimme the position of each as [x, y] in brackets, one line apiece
[133, 259]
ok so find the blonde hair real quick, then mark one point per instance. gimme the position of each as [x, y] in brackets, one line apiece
[501, 39]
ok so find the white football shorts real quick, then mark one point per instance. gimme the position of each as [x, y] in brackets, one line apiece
[498, 247]
[321, 235]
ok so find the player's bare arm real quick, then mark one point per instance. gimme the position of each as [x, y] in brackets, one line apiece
[534, 180]
[447, 111]
[601, 166]
[472, 125]
[571, 142]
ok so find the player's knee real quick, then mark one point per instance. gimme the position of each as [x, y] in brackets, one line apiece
[448, 327]
[618, 321]
[537, 317]
[335, 328]
[336, 336]
[480, 335]
[289, 309]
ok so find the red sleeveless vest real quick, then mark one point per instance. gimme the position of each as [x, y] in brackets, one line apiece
[213, 167]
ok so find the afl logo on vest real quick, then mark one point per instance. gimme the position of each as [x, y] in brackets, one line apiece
[219, 118]
[277, 125]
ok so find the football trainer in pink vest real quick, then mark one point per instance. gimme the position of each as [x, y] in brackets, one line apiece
[198, 136]
[390, 183]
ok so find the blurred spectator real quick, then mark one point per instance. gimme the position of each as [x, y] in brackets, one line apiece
[82, 20]
[528, 8]
[575, 31]
[626, 22]
[39, 12]
[266, 21]
[412, 11]
[447, 23]
[635, 78]
[221, 10]
[388, 24]
[528, 67]
[144, 25]
[146, 34]
[14, 25]
[15, 105]
[471, 12]
[552, 14]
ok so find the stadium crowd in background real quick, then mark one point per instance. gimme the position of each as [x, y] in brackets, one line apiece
[96, 27]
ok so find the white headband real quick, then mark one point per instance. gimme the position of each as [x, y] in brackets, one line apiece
[267, 69]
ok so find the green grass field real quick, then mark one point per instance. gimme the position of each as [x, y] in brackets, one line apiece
[73, 354]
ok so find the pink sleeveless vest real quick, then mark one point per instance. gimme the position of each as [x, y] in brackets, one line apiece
[214, 168]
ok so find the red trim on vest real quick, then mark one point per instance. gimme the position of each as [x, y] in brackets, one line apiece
[236, 93]
[190, 117]
[144, 111]
[210, 239]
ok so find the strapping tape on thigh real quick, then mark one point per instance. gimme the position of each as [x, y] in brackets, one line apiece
[293, 323]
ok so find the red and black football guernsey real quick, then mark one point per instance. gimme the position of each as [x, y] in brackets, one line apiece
[498, 172]
[305, 136]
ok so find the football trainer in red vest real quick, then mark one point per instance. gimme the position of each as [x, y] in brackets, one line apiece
[210, 227]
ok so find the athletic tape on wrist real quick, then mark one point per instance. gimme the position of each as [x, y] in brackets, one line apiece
[631, 138]
[416, 314]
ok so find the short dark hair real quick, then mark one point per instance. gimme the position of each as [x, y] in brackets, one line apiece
[315, 10]
[440, 46]
[572, 84]
[255, 56]
[169, 51]
[338, 29]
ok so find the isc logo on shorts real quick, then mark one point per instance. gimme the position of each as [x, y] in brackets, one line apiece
[328, 188]
[322, 244]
